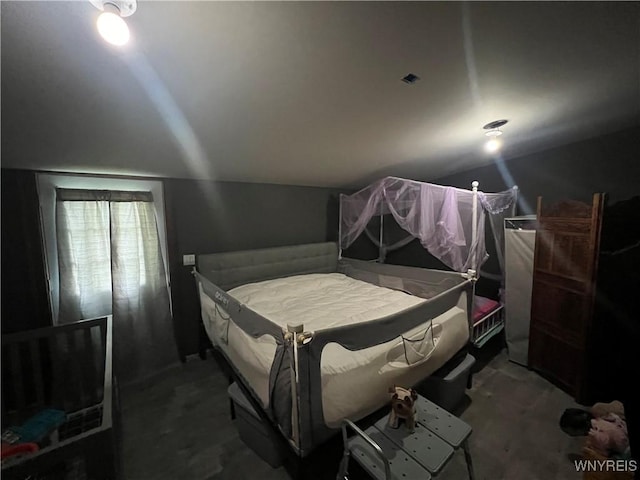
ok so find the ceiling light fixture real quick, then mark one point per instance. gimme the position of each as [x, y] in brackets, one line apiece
[493, 132]
[493, 145]
[111, 24]
[496, 132]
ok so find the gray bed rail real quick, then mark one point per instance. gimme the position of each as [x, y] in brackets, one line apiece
[295, 387]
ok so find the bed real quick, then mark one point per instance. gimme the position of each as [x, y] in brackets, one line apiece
[315, 337]
[310, 367]
[353, 382]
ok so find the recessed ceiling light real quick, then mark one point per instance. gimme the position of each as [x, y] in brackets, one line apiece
[410, 78]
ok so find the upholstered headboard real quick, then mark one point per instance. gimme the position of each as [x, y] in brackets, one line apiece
[231, 269]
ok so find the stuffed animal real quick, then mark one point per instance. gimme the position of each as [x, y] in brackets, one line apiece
[609, 434]
[403, 407]
[603, 409]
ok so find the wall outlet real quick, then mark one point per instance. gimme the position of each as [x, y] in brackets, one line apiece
[189, 260]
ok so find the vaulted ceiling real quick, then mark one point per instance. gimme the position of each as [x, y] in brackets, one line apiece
[310, 93]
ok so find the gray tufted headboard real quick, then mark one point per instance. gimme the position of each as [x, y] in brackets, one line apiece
[232, 269]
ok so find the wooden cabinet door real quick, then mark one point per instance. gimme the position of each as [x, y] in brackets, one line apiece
[564, 273]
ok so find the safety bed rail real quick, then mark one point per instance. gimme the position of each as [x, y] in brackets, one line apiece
[296, 367]
[355, 337]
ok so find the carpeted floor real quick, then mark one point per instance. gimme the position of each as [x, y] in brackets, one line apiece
[177, 426]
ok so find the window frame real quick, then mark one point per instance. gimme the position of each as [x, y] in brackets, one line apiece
[47, 184]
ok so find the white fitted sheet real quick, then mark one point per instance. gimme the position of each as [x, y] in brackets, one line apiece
[354, 383]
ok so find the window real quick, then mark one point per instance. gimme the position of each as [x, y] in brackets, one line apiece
[92, 237]
[107, 240]
[105, 248]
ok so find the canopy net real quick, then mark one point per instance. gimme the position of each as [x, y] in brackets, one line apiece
[441, 217]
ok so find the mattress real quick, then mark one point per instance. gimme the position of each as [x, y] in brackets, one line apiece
[354, 383]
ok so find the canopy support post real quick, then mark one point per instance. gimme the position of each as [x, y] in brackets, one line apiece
[340, 228]
[474, 226]
[381, 246]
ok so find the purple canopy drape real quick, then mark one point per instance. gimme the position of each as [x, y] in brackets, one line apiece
[441, 217]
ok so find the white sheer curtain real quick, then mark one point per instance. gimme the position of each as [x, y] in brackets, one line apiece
[110, 263]
[84, 257]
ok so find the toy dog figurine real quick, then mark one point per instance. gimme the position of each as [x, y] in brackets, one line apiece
[403, 406]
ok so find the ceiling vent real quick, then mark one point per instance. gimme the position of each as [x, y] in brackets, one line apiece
[410, 78]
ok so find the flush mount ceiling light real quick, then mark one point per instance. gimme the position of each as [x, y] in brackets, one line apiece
[493, 128]
[111, 24]
[493, 131]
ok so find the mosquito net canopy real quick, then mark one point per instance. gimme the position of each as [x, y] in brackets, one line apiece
[447, 220]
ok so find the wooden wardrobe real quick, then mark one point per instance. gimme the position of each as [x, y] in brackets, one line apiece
[564, 289]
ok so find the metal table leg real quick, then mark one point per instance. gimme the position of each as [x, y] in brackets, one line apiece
[467, 457]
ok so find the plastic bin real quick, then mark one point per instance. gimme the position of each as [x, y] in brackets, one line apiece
[448, 390]
[253, 432]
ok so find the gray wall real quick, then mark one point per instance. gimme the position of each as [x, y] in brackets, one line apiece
[209, 217]
[25, 301]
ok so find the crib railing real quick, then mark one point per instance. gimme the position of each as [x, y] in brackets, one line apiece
[67, 368]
